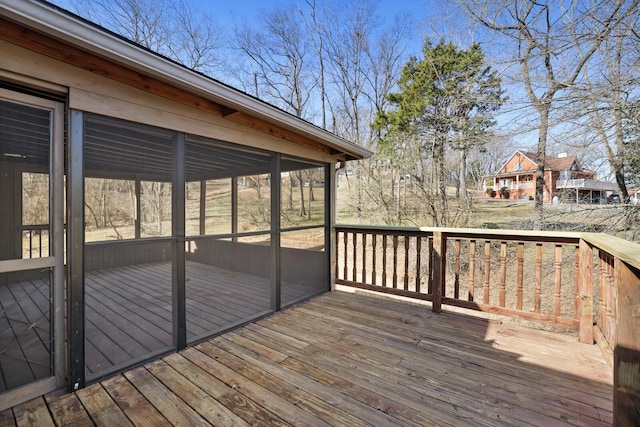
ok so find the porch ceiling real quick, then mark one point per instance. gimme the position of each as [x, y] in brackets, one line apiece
[119, 149]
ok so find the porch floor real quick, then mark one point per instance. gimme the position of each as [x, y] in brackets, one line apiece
[350, 359]
[129, 315]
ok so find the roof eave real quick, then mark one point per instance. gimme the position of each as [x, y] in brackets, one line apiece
[53, 21]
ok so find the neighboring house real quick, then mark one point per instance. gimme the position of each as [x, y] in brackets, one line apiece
[195, 238]
[563, 177]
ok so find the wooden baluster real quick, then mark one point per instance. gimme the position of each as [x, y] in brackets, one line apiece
[607, 298]
[520, 276]
[584, 311]
[576, 282]
[557, 279]
[406, 262]
[355, 257]
[537, 298]
[346, 256]
[503, 274]
[430, 279]
[395, 262]
[364, 258]
[487, 269]
[374, 272]
[472, 268]
[456, 274]
[337, 243]
[418, 272]
[611, 313]
[602, 294]
[384, 260]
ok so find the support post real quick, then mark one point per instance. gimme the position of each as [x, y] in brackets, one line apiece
[439, 269]
[276, 195]
[585, 293]
[138, 220]
[626, 352]
[75, 251]
[329, 221]
[178, 197]
[234, 208]
[203, 207]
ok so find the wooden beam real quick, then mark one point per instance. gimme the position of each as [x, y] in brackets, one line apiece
[626, 352]
[278, 132]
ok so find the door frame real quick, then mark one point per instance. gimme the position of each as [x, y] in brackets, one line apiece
[55, 260]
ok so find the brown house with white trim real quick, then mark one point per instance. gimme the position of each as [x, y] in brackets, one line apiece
[564, 177]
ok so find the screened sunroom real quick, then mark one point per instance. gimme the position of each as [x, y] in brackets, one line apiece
[145, 207]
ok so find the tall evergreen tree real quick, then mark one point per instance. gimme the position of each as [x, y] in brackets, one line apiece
[446, 102]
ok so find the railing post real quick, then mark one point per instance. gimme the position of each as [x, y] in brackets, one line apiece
[439, 269]
[626, 352]
[585, 308]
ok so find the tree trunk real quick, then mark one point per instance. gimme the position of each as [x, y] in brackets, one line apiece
[291, 187]
[302, 211]
[441, 177]
[540, 164]
[462, 180]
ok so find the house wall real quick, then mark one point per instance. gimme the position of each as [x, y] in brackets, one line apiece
[519, 158]
[94, 93]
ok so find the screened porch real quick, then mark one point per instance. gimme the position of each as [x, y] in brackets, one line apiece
[172, 238]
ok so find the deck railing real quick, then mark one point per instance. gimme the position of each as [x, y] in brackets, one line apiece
[584, 281]
[35, 241]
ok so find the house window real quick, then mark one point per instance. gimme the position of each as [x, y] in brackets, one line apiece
[518, 166]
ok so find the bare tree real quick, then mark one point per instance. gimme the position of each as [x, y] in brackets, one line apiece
[278, 50]
[314, 28]
[171, 28]
[196, 39]
[552, 42]
[347, 36]
[608, 96]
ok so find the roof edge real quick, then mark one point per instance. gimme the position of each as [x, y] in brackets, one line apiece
[65, 26]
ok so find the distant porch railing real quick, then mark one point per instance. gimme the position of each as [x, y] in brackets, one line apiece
[35, 241]
[584, 281]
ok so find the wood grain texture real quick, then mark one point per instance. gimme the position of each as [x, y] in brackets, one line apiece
[102, 409]
[33, 413]
[349, 359]
[67, 410]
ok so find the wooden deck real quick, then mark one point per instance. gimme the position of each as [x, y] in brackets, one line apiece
[128, 315]
[24, 332]
[350, 360]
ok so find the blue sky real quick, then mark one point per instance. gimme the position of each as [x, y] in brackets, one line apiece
[252, 8]
[227, 13]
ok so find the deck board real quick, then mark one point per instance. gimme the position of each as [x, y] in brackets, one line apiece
[128, 315]
[349, 359]
[24, 333]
